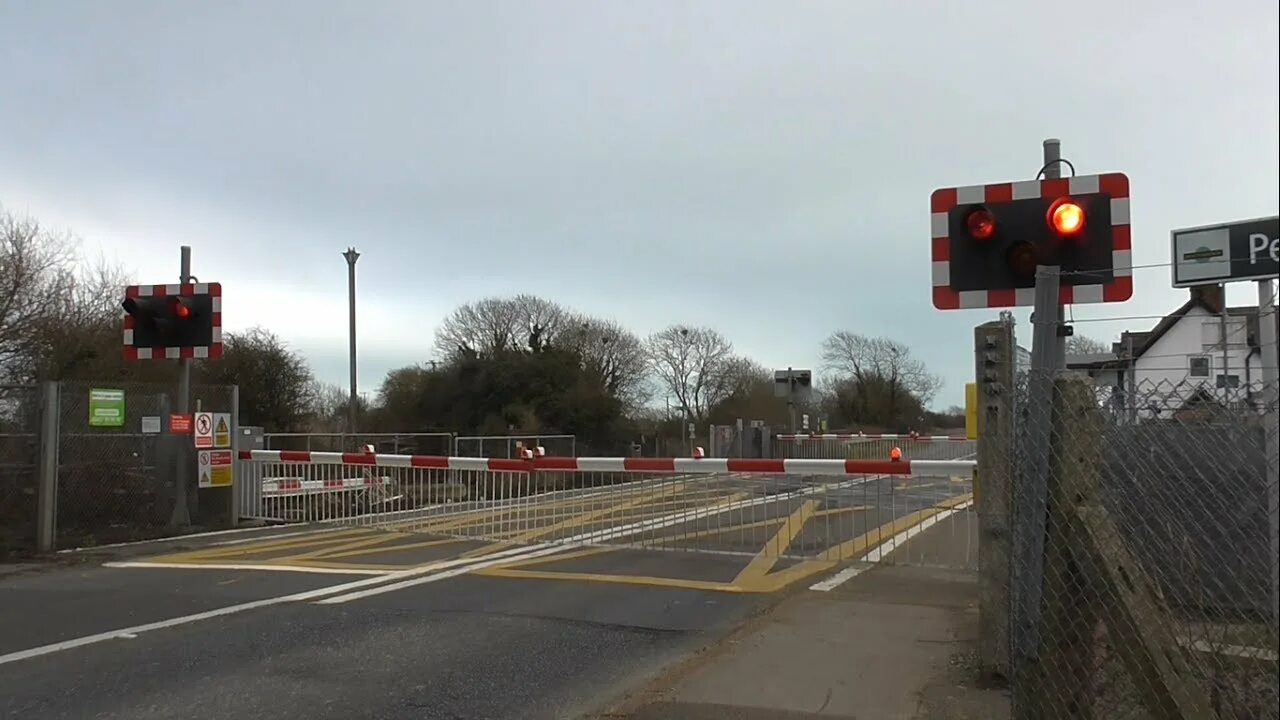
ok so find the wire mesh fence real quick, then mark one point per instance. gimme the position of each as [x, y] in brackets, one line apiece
[508, 446]
[19, 457]
[412, 443]
[1143, 573]
[117, 482]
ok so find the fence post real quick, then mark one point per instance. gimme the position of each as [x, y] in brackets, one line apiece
[993, 348]
[237, 483]
[1064, 673]
[47, 488]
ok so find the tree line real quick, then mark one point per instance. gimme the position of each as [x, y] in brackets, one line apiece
[501, 364]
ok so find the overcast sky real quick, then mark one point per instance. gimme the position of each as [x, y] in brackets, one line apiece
[760, 167]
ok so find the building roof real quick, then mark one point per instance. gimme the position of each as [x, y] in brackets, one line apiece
[1133, 345]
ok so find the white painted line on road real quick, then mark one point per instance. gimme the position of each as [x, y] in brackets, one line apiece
[839, 578]
[485, 562]
[309, 595]
[237, 566]
[877, 553]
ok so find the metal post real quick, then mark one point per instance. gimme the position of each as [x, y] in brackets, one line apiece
[1030, 503]
[181, 516]
[1226, 359]
[47, 490]
[351, 256]
[1053, 171]
[237, 481]
[1270, 394]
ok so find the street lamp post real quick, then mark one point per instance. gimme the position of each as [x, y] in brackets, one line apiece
[351, 256]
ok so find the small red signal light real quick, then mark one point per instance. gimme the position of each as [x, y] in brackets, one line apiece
[1066, 217]
[981, 224]
[180, 310]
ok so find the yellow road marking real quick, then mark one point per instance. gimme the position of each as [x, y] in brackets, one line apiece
[839, 510]
[317, 539]
[777, 545]
[362, 543]
[626, 579]
[718, 531]
[573, 554]
[394, 548]
[850, 549]
[574, 521]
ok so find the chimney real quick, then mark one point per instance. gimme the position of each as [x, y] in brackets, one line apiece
[1213, 296]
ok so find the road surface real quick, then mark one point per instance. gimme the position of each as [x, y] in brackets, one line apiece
[476, 615]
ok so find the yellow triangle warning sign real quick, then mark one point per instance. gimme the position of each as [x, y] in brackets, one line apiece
[204, 479]
[222, 430]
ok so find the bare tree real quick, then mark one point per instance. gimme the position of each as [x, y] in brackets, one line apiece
[59, 315]
[495, 324]
[1085, 345]
[870, 361]
[612, 352]
[693, 364]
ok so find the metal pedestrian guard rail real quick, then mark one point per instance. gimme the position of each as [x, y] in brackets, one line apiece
[843, 446]
[807, 509]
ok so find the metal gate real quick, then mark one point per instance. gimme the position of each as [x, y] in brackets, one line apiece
[913, 511]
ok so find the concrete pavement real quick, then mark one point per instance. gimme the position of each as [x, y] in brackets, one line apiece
[892, 643]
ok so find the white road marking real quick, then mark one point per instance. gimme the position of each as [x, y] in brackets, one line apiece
[485, 562]
[236, 566]
[309, 595]
[877, 553]
[839, 578]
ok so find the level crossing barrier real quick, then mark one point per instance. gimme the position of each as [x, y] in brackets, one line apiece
[809, 509]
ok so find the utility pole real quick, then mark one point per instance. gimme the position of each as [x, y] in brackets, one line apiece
[1270, 394]
[351, 256]
[181, 516]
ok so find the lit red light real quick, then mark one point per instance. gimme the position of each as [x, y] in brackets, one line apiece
[180, 310]
[1066, 217]
[981, 224]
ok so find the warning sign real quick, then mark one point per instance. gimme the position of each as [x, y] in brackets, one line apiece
[180, 424]
[222, 430]
[214, 468]
[204, 430]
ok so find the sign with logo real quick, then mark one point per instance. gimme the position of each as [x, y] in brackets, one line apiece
[203, 435]
[222, 430]
[213, 467]
[180, 424]
[1230, 252]
[106, 407]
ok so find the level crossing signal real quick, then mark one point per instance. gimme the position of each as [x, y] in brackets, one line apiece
[172, 321]
[988, 239]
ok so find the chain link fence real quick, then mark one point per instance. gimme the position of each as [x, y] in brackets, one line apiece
[118, 483]
[19, 458]
[506, 446]
[1143, 573]
[424, 443]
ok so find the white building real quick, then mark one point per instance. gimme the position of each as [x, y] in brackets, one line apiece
[1182, 359]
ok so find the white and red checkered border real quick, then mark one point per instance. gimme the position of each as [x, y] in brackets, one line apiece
[211, 351]
[773, 466]
[875, 436]
[1116, 185]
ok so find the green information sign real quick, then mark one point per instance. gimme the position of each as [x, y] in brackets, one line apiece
[106, 407]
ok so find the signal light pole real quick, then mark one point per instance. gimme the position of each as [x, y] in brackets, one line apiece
[181, 516]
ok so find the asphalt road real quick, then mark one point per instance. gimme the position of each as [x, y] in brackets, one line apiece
[471, 647]
[481, 622]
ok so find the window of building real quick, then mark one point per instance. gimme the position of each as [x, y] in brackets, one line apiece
[1199, 366]
[1228, 381]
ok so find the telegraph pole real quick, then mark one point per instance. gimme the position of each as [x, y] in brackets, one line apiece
[351, 256]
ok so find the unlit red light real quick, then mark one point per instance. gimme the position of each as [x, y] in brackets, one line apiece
[981, 224]
[1067, 218]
